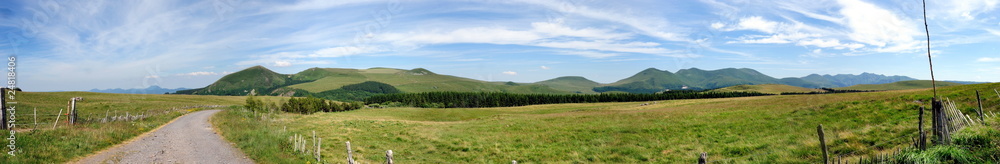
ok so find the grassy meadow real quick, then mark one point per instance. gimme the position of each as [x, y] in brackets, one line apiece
[45, 144]
[767, 129]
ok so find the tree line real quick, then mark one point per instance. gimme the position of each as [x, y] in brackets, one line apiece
[303, 105]
[498, 99]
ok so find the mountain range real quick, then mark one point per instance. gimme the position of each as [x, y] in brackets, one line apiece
[148, 90]
[313, 81]
[653, 80]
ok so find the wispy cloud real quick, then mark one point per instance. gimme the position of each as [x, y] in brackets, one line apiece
[512, 73]
[988, 59]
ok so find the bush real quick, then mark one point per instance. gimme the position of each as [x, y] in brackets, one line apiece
[309, 105]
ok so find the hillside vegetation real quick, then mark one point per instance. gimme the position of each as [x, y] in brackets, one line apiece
[901, 85]
[575, 84]
[416, 80]
[766, 129]
[766, 88]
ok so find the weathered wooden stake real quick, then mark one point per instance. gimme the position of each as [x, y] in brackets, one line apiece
[319, 144]
[35, 110]
[3, 108]
[703, 159]
[822, 143]
[922, 143]
[72, 111]
[388, 157]
[350, 157]
[938, 121]
[57, 119]
[980, 111]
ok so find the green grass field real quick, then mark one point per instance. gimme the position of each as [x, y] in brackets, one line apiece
[65, 143]
[768, 129]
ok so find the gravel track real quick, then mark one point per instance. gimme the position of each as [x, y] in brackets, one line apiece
[188, 139]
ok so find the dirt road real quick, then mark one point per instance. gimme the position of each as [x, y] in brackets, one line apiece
[189, 139]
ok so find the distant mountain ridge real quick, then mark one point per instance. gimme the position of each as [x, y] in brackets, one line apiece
[323, 81]
[149, 90]
[654, 80]
[845, 80]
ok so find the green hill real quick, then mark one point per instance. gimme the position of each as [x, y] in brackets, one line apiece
[328, 82]
[900, 85]
[845, 80]
[575, 84]
[653, 80]
[647, 81]
[415, 80]
[765, 88]
[698, 78]
[256, 78]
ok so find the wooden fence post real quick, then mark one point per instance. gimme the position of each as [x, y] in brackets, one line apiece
[350, 157]
[3, 108]
[388, 157]
[319, 144]
[980, 111]
[938, 121]
[703, 159]
[35, 110]
[822, 143]
[922, 143]
[57, 119]
[72, 111]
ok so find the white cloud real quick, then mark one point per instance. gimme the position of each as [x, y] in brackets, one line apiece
[203, 73]
[282, 63]
[757, 23]
[544, 67]
[509, 73]
[718, 25]
[343, 51]
[588, 54]
[314, 5]
[994, 32]
[467, 35]
[605, 45]
[650, 26]
[988, 59]
[829, 43]
[863, 27]
[968, 9]
[879, 27]
[780, 38]
[541, 34]
[557, 29]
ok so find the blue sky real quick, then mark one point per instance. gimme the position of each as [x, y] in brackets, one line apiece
[73, 45]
